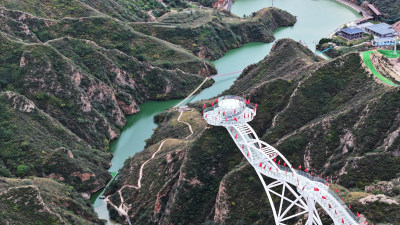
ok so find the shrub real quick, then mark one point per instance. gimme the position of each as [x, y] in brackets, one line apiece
[22, 170]
[167, 65]
[324, 40]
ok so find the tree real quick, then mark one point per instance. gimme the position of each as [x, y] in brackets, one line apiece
[22, 170]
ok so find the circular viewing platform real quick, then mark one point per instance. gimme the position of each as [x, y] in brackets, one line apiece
[230, 110]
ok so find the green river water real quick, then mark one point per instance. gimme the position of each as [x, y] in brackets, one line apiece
[315, 20]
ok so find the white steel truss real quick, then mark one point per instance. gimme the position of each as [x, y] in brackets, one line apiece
[298, 191]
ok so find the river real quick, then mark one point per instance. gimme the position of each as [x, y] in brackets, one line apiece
[315, 20]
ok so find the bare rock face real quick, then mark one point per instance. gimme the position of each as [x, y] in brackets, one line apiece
[61, 96]
[379, 198]
[206, 70]
[347, 142]
[128, 109]
[85, 195]
[61, 166]
[83, 176]
[21, 104]
[382, 186]
[221, 205]
[161, 194]
[56, 177]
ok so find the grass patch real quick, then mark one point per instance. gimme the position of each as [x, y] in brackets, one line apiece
[366, 56]
[389, 53]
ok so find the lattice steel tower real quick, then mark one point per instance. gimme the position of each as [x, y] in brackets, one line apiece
[299, 192]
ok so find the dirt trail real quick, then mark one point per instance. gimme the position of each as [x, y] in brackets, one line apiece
[122, 209]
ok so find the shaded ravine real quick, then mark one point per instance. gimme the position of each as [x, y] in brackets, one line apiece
[122, 209]
[139, 127]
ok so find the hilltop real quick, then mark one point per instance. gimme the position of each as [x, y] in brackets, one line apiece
[277, 65]
[209, 34]
[42, 201]
[119, 9]
[329, 116]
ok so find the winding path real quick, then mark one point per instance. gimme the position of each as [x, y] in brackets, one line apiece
[122, 209]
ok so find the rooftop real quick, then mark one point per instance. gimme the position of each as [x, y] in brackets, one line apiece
[382, 28]
[364, 19]
[364, 25]
[375, 10]
[351, 30]
[386, 39]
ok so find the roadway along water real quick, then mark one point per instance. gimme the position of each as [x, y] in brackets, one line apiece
[315, 20]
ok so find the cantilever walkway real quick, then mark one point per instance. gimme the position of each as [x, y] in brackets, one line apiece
[305, 191]
[260, 157]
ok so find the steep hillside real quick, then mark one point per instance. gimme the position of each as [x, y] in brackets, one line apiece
[288, 59]
[87, 101]
[51, 9]
[331, 117]
[176, 187]
[389, 8]
[33, 143]
[209, 33]
[42, 201]
[207, 3]
[120, 9]
[106, 32]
